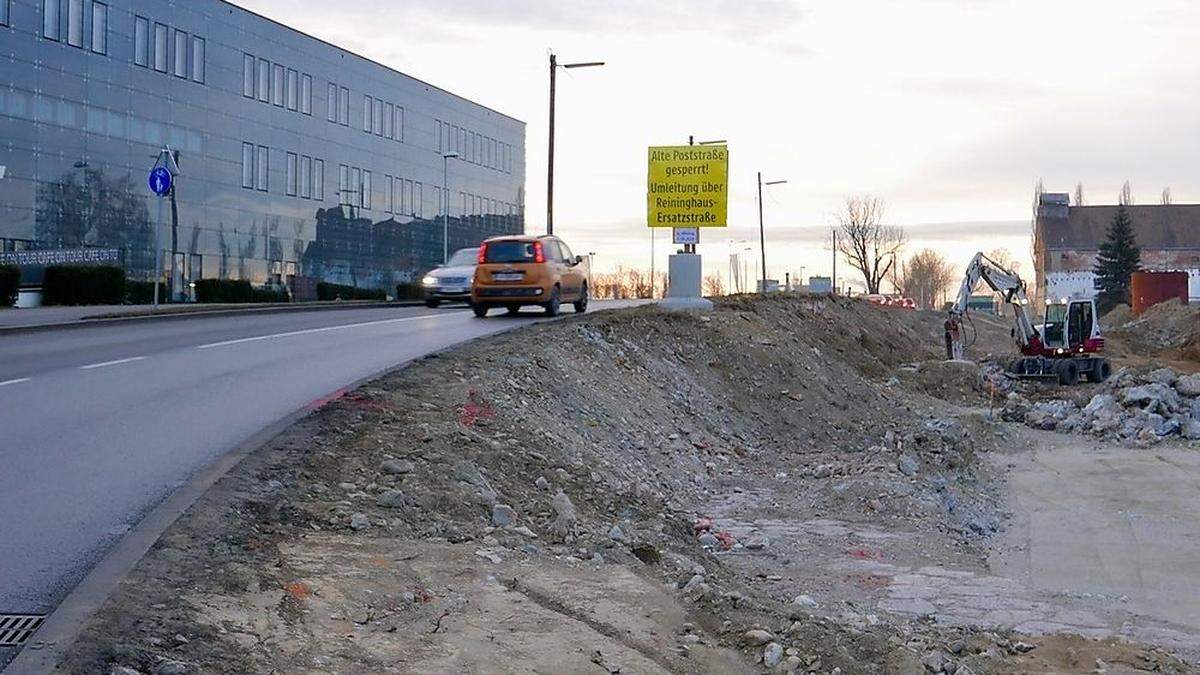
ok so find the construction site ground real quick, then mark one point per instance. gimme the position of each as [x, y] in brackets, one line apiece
[792, 484]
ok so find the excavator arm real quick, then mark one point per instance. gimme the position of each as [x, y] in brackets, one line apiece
[1009, 286]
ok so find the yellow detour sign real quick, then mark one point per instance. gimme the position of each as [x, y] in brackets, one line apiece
[688, 186]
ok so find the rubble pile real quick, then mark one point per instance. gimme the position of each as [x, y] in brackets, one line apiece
[587, 455]
[1142, 408]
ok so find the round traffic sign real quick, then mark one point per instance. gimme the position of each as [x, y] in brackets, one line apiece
[160, 180]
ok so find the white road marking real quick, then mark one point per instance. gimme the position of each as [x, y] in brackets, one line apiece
[16, 381]
[319, 330]
[111, 363]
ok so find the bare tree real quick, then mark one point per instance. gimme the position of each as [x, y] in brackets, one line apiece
[1126, 198]
[1004, 258]
[1079, 200]
[714, 285]
[1166, 196]
[927, 278]
[865, 242]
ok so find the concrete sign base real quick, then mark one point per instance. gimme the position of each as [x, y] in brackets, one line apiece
[684, 290]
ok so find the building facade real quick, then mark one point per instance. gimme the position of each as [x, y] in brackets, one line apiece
[296, 158]
[1067, 241]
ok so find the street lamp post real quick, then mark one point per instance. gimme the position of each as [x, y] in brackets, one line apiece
[762, 237]
[554, 66]
[446, 157]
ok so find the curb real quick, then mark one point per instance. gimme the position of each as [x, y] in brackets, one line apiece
[108, 320]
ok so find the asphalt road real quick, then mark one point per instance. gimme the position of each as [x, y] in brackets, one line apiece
[100, 424]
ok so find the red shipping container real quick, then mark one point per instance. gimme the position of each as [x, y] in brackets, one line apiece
[1150, 288]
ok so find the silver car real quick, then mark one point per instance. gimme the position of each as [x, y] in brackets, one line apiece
[452, 281]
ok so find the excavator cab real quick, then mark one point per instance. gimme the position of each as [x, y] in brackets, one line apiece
[1071, 326]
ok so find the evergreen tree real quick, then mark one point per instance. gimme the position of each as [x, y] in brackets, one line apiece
[1119, 258]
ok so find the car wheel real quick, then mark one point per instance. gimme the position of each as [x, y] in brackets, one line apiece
[582, 303]
[431, 303]
[555, 302]
[480, 310]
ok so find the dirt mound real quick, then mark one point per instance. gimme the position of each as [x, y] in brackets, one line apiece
[1117, 316]
[637, 490]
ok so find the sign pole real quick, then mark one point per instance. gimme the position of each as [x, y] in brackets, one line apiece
[157, 251]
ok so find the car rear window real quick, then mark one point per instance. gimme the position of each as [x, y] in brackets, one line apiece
[509, 252]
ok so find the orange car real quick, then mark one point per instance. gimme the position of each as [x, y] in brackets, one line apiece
[517, 270]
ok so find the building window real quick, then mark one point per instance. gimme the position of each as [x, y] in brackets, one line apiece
[291, 174]
[367, 108]
[160, 48]
[198, 47]
[319, 179]
[50, 27]
[99, 27]
[75, 23]
[366, 189]
[305, 177]
[248, 165]
[181, 69]
[264, 80]
[331, 99]
[292, 93]
[277, 85]
[343, 184]
[306, 94]
[247, 76]
[378, 122]
[388, 197]
[387, 120]
[398, 125]
[261, 168]
[344, 107]
[3, 12]
[141, 41]
[419, 197]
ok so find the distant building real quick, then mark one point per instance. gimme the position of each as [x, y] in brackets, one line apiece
[820, 285]
[983, 303]
[1067, 240]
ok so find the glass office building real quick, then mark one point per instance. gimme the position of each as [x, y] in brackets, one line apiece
[298, 159]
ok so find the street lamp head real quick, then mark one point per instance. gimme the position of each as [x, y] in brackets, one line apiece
[775, 182]
[719, 142]
[588, 64]
[450, 155]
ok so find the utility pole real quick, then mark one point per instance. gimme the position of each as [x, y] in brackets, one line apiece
[554, 66]
[550, 160]
[762, 237]
[835, 252]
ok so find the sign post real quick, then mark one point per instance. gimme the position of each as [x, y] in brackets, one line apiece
[161, 181]
[687, 188]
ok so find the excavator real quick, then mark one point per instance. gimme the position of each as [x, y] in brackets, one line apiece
[1066, 346]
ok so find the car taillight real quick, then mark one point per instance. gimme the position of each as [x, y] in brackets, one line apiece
[539, 254]
[482, 254]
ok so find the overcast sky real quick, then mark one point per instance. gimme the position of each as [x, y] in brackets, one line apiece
[950, 110]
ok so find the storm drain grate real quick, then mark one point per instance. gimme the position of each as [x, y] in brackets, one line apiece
[15, 629]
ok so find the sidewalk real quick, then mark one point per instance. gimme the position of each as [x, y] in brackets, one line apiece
[13, 319]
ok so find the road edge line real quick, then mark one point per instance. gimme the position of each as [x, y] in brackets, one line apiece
[181, 316]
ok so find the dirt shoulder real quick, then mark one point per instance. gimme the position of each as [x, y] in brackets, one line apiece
[775, 485]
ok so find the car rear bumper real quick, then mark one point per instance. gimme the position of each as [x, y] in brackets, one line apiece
[508, 293]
